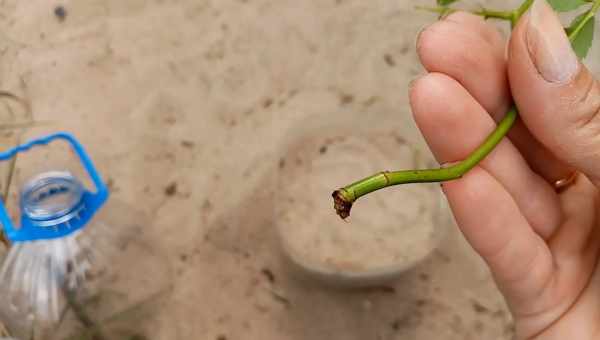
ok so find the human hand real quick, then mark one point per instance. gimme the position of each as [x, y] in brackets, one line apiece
[541, 245]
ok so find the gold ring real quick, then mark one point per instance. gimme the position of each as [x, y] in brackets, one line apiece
[566, 182]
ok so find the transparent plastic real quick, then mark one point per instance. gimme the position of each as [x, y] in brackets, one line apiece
[388, 232]
[89, 284]
[14, 117]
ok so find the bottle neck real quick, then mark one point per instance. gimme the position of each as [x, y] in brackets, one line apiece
[52, 198]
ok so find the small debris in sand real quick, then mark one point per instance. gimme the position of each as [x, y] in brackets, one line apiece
[479, 308]
[187, 144]
[206, 206]
[268, 274]
[389, 60]
[405, 49]
[60, 12]
[171, 189]
[280, 297]
[110, 183]
[421, 303]
[267, 103]
[372, 100]
[346, 99]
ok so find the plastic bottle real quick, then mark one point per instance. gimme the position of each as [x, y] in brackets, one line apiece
[76, 263]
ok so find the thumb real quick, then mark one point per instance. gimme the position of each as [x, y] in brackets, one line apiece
[557, 97]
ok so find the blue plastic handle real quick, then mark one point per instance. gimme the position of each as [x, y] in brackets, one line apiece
[92, 201]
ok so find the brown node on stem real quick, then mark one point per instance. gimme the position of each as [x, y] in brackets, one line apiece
[341, 204]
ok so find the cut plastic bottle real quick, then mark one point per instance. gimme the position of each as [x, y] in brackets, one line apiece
[78, 266]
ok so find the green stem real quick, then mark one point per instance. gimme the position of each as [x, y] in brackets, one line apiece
[345, 197]
[486, 13]
[518, 13]
[589, 16]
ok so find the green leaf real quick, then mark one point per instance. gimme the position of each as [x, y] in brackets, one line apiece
[582, 43]
[566, 5]
[445, 2]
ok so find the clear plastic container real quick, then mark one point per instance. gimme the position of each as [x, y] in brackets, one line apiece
[15, 117]
[388, 232]
[78, 266]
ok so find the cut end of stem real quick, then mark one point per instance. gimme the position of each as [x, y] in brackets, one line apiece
[341, 203]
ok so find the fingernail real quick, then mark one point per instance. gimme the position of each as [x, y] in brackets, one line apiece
[549, 46]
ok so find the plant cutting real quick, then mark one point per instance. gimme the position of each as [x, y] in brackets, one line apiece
[580, 33]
